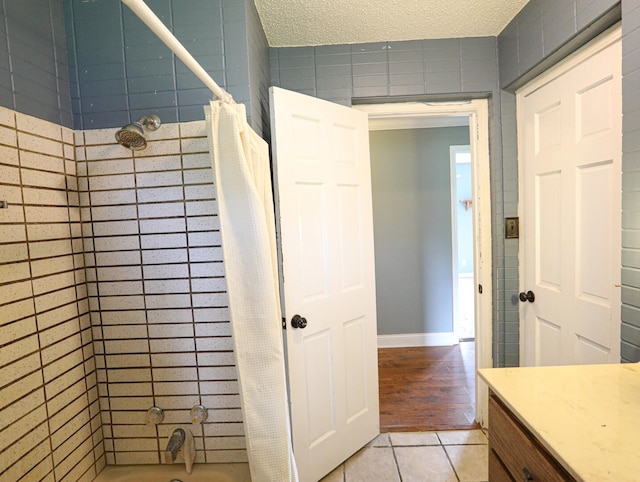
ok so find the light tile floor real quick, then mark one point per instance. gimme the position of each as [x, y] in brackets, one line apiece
[454, 456]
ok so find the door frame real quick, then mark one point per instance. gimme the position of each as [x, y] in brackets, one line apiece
[591, 48]
[412, 115]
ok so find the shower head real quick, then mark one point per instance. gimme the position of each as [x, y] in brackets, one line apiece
[131, 136]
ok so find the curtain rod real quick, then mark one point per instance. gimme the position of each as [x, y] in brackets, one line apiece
[153, 22]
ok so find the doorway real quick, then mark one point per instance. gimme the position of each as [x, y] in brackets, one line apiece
[474, 115]
[462, 243]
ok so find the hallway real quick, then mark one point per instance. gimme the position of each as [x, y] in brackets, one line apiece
[427, 388]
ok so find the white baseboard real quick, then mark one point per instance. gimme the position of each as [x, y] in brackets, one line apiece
[417, 339]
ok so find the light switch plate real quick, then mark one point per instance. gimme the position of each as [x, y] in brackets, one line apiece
[511, 228]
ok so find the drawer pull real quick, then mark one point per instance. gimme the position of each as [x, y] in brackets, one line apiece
[527, 475]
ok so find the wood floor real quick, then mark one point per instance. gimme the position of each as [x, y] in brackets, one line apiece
[427, 388]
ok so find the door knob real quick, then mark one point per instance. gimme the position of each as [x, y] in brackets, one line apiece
[298, 322]
[528, 296]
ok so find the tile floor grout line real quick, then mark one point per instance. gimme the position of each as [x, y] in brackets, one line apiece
[455, 472]
[395, 460]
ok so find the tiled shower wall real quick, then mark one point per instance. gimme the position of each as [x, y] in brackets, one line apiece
[49, 410]
[89, 342]
[157, 293]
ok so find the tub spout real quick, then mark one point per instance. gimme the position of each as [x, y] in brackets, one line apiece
[173, 446]
[181, 447]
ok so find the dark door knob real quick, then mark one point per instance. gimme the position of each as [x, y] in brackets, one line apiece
[528, 296]
[298, 322]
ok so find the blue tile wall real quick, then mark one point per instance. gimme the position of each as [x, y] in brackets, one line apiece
[259, 72]
[505, 183]
[406, 68]
[543, 28]
[121, 71]
[333, 80]
[530, 35]
[34, 73]
[6, 90]
[413, 68]
[630, 329]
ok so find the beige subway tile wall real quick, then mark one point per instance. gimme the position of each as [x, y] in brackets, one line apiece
[158, 294]
[50, 425]
[112, 300]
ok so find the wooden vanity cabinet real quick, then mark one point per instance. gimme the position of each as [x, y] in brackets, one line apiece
[514, 453]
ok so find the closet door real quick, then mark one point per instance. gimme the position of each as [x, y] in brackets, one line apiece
[570, 145]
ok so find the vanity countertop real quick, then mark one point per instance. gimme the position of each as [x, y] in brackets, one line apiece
[587, 417]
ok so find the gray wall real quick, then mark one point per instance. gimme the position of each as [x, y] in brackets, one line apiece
[414, 68]
[34, 75]
[545, 31]
[120, 70]
[411, 183]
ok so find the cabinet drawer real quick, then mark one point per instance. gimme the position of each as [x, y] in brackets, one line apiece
[497, 471]
[517, 448]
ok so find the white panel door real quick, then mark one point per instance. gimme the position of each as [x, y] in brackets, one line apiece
[570, 144]
[323, 199]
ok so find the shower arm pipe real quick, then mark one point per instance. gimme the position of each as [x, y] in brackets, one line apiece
[155, 24]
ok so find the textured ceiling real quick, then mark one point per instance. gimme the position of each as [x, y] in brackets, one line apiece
[289, 23]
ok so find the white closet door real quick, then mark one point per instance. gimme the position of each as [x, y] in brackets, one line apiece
[570, 167]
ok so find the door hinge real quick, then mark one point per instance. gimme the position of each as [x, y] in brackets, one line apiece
[284, 323]
[480, 289]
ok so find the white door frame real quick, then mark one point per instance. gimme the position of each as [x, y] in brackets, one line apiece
[600, 43]
[412, 115]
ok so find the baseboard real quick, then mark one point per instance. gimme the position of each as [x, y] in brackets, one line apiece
[417, 339]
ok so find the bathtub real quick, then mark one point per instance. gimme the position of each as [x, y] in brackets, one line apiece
[168, 473]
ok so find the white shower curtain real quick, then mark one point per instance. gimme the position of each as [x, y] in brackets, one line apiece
[240, 161]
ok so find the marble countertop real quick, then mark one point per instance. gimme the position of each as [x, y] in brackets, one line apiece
[587, 417]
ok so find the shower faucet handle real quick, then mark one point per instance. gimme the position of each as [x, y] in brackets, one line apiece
[199, 414]
[155, 415]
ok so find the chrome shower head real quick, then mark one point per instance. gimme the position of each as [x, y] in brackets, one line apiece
[131, 136]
